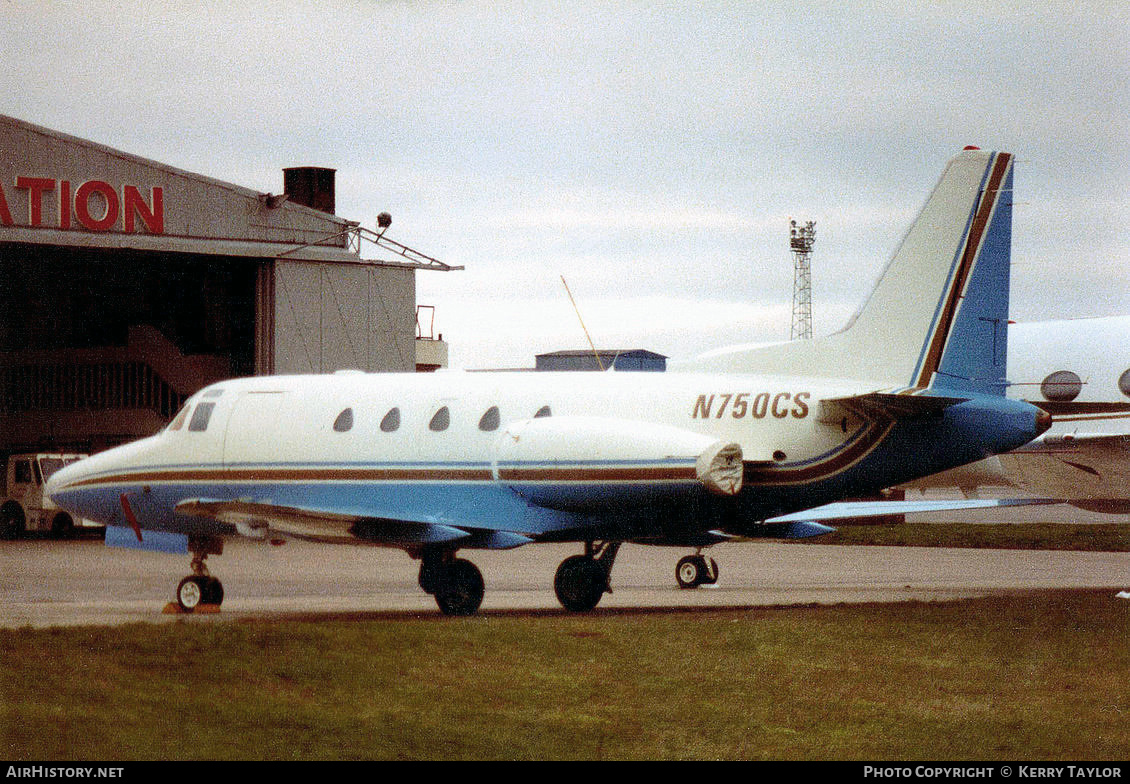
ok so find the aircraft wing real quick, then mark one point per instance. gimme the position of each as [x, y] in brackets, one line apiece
[259, 520]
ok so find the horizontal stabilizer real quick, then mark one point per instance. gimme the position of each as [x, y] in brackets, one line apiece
[885, 406]
[848, 510]
[1061, 408]
[798, 530]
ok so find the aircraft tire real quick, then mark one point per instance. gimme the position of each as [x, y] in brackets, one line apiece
[191, 592]
[579, 583]
[429, 576]
[459, 589]
[690, 570]
[213, 591]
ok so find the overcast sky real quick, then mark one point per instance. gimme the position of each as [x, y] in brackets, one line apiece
[651, 154]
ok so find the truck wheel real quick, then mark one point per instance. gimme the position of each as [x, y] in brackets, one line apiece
[12, 523]
[62, 526]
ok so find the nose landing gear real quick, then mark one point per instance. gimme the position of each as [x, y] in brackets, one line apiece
[200, 587]
[695, 570]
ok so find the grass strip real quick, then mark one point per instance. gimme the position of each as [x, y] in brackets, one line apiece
[1031, 676]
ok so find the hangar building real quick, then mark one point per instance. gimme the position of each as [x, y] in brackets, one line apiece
[622, 359]
[127, 284]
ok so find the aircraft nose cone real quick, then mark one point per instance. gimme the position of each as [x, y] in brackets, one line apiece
[54, 482]
[59, 480]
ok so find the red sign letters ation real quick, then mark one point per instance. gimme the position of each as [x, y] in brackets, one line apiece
[94, 205]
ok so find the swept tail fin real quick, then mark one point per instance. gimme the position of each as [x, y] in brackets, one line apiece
[938, 315]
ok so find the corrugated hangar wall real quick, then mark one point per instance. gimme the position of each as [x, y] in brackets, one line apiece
[127, 284]
[329, 317]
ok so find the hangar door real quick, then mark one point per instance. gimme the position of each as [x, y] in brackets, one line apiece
[343, 316]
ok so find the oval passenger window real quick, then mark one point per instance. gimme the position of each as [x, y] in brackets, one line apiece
[490, 420]
[441, 420]
[391, 421]
[344, 421]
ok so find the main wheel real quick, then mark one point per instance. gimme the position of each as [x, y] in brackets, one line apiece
[579, 583]
[430, 571]
[459, 589]
[191, 591]
[690, 570]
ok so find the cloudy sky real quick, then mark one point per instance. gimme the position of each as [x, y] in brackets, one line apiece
[651, 154]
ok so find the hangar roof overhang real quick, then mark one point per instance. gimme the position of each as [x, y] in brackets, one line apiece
[63, 191]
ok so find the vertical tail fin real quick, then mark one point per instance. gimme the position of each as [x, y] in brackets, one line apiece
[970, 344]
[938, 315]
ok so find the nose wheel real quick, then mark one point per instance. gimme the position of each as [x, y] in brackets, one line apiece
[195, 590]
[200, 587]
[695, 570]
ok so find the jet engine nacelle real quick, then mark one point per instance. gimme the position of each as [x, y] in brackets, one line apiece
[578, 463]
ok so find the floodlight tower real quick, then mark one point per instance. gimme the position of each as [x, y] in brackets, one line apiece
[801, 239]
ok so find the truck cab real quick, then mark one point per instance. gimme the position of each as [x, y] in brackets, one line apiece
[24, 506]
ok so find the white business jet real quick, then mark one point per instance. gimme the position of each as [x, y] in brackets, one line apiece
[742, 446]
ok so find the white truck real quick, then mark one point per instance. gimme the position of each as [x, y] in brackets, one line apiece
[23, 506]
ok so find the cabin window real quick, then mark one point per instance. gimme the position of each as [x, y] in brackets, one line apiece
[544, 411]
[344, 421]
[441, 420]
[391, 421]
[1124, 383]
[490, 420]
[200, 417]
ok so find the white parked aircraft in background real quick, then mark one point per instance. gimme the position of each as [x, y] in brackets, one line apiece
[435, 463]
[1078, 370]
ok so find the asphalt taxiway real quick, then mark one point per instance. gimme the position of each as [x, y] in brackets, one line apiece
[48, 583]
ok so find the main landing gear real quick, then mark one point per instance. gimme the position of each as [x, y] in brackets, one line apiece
[200, 587]
[456, 583]
[695, 570]
[582, 580]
